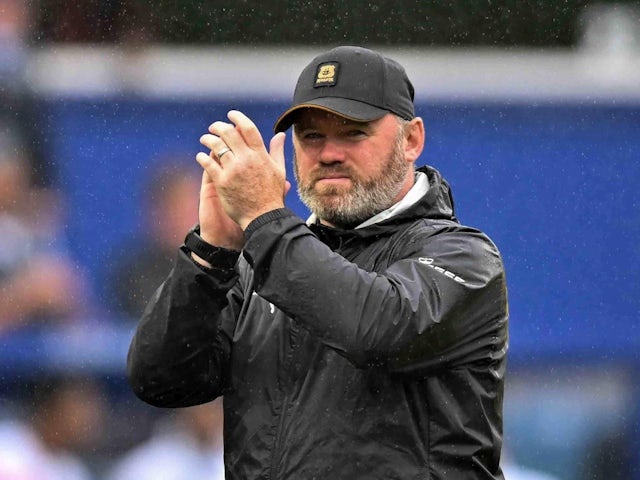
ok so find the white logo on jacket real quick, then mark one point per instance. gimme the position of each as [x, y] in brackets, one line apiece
[272, 307]
[429, 263]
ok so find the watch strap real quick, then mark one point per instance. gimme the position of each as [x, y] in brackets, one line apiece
[217, 256]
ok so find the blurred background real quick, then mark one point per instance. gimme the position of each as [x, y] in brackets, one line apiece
[532, 112]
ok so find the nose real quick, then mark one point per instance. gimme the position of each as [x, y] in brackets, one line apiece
[332, 151]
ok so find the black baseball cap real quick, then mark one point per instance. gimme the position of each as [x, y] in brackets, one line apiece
[353, 82]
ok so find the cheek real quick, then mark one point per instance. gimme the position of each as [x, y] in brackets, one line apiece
[302, 164]
[366, 159]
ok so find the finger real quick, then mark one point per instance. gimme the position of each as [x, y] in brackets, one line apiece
[247, 129]
[217, 146]
[210, 165]
[219, 128]
[229, 137]
[228, 134]
[206, 178]
[207, 187]
[212, 142]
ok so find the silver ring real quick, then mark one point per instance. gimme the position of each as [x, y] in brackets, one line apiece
[222, 152]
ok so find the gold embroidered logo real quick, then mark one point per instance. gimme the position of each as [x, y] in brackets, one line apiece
[327, 74]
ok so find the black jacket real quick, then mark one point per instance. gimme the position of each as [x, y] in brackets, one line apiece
[374, 353]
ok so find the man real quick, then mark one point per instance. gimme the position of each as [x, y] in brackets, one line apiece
[366, 343]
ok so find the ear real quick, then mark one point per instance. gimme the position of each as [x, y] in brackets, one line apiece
[414, 139]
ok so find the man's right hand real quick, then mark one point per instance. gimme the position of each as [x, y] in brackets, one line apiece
[216, 227]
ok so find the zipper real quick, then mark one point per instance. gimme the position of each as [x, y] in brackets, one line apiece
[285, 385]
[276, 443]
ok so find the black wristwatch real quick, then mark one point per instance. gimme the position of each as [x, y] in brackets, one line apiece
[221, 257]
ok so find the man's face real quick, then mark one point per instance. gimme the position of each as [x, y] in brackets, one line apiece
[349, 171]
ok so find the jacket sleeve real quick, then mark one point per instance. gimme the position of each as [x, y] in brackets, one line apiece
[442, 299]
[180, 351]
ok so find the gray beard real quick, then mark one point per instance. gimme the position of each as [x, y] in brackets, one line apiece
[365, 199]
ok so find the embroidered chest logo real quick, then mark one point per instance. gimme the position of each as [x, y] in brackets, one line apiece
[327, 74]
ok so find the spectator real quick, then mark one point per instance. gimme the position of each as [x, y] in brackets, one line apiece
[148, 258]
[19, 110]
[187, 447]
[37, 278]
[610, 457]
[96, 21]
[14, 22]
[65, 420]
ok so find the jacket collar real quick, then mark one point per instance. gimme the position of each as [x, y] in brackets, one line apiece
[413, 196]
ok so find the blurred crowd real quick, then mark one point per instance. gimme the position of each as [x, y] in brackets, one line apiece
[38, 280]
[63, 429]
[55, 424]
[60, 423]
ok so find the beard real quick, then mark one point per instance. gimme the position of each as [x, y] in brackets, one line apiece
[347, 208]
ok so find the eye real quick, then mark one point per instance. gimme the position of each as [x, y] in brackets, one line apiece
[355, 133]
[310, 135]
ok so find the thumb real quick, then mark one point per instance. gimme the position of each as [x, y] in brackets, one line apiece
[276, 149]
[206, 179]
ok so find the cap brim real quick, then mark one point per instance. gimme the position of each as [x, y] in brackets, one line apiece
[350, 109]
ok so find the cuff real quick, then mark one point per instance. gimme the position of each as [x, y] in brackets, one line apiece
[265, 218]
[224, 270]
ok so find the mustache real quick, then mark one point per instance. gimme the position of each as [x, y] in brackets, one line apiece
[328, 171]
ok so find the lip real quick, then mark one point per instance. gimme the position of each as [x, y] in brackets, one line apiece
[333, 176]
[333, 179]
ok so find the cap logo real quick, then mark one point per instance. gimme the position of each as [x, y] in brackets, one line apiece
[327, 74]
